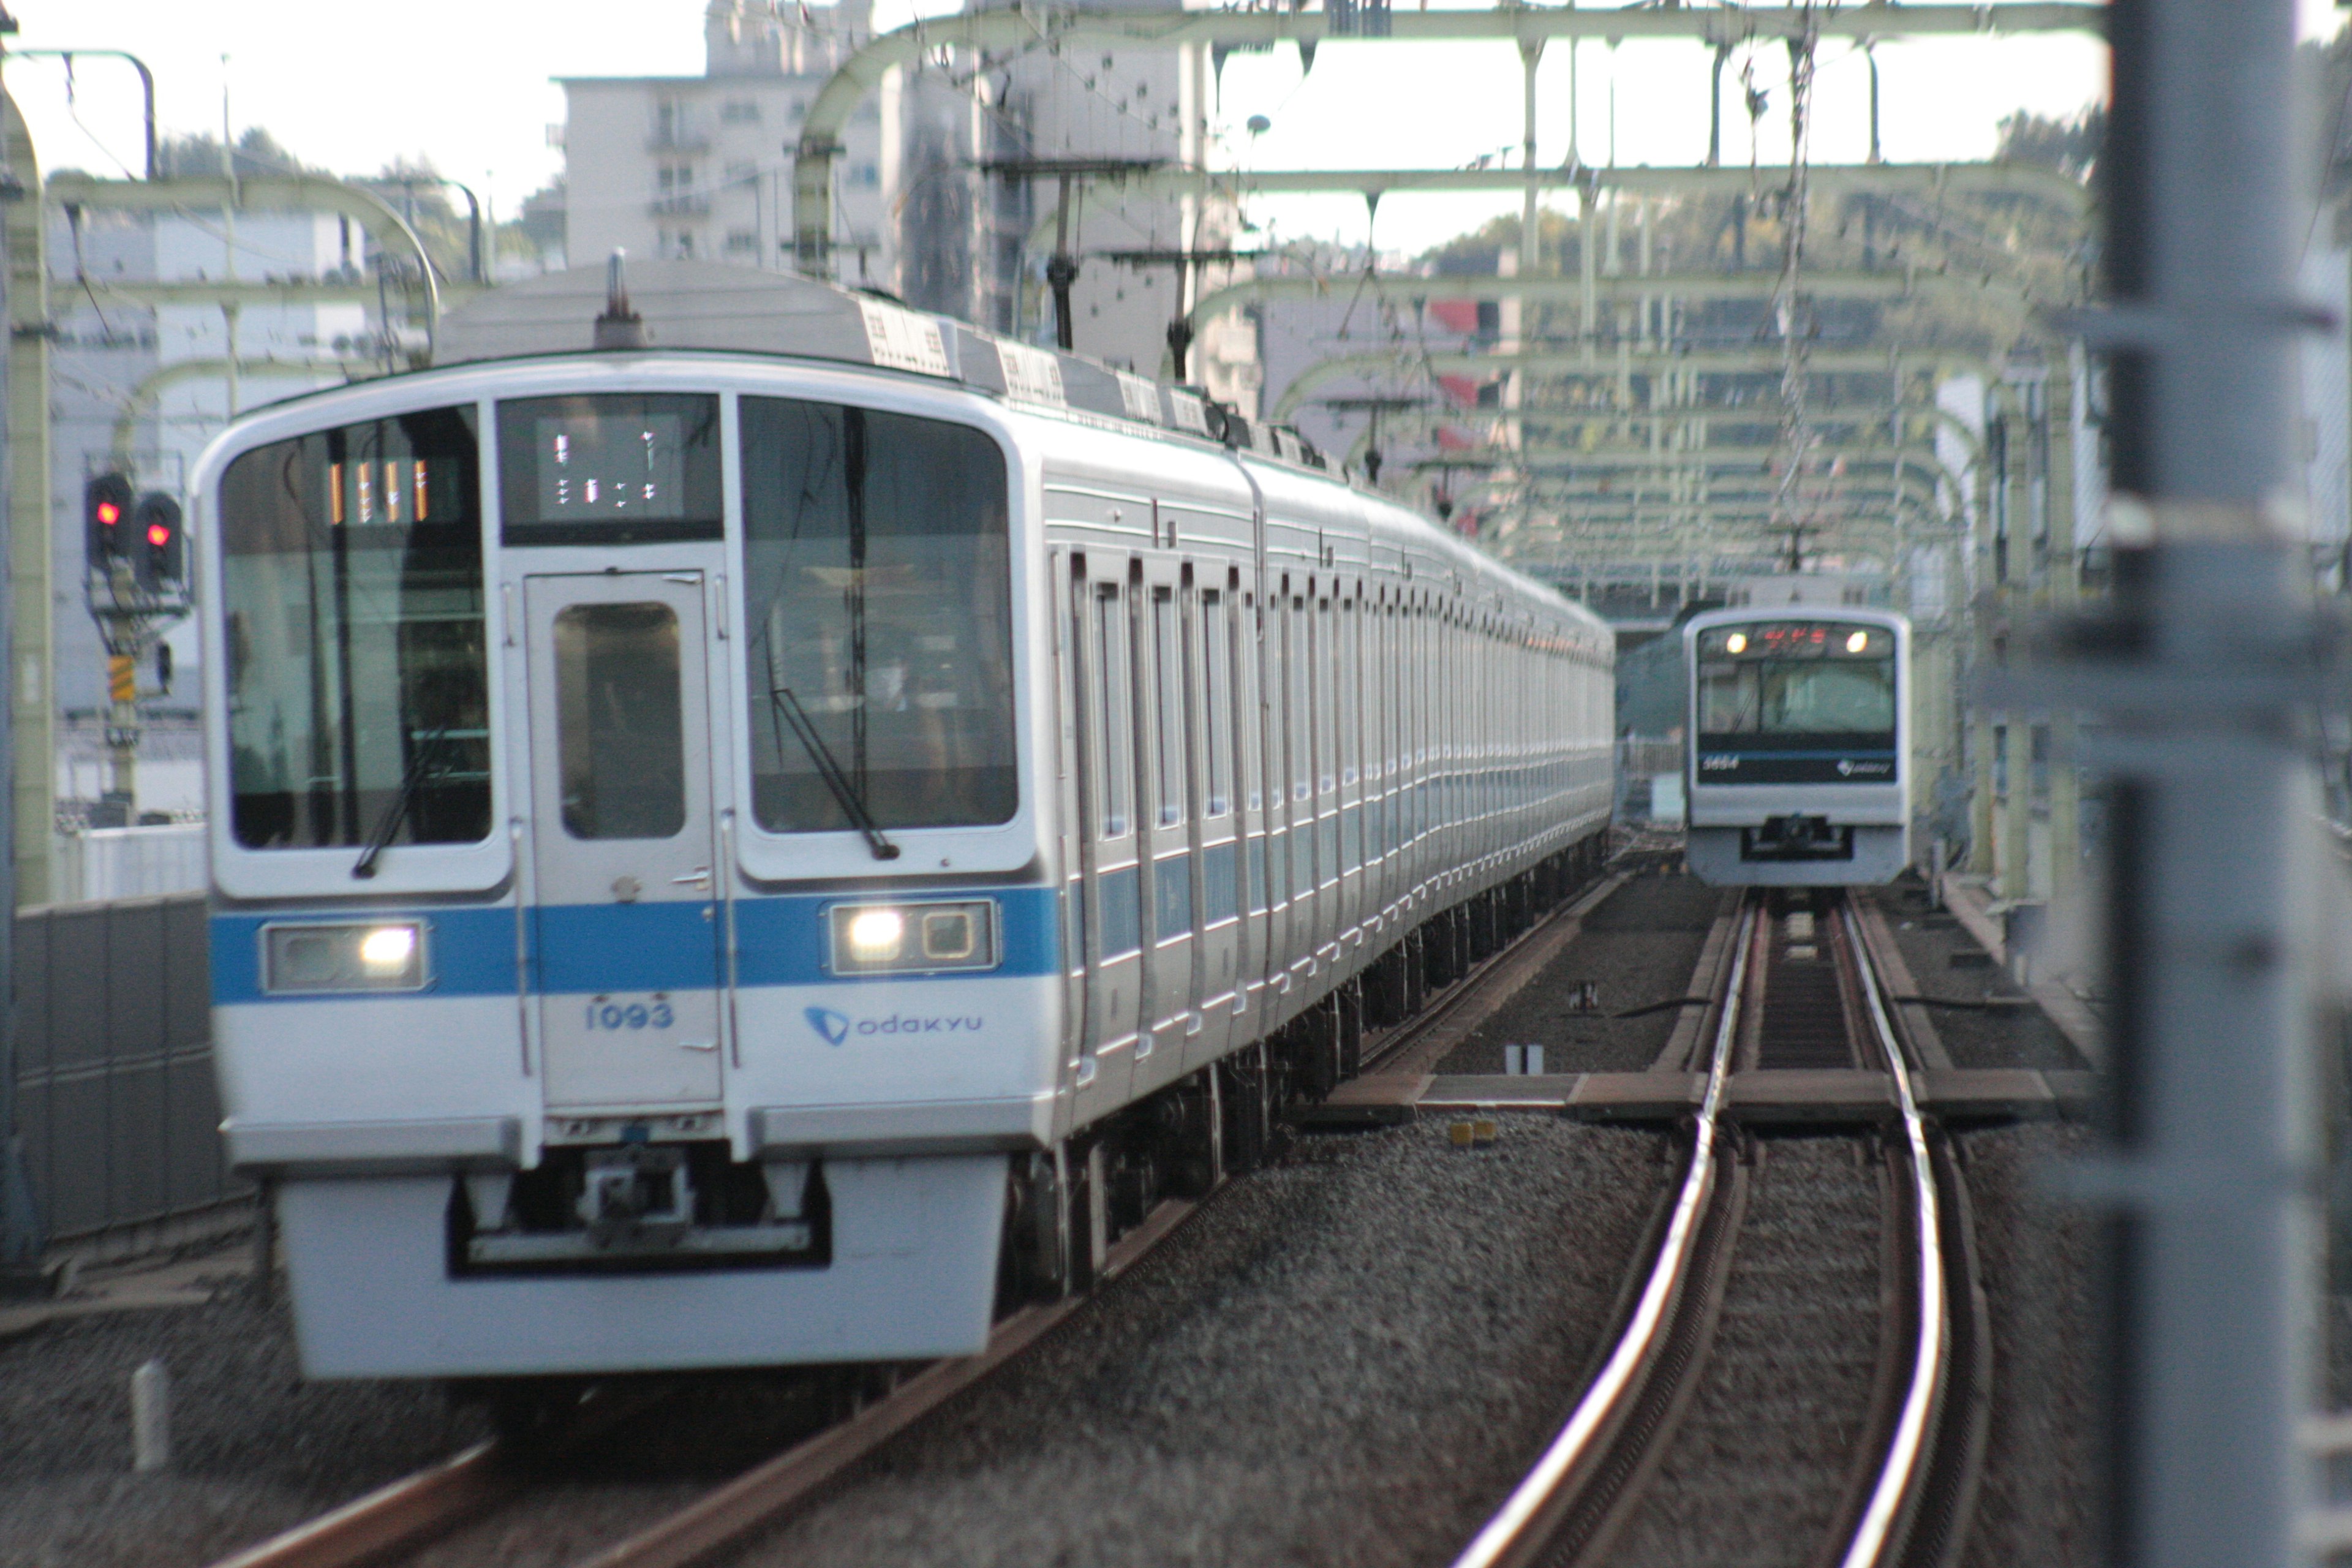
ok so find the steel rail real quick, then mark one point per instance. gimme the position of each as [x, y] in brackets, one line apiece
[418, 1506]
[777, 1488]
[410, 1513]
[1513, 1530]
[771, 1491]
[1880, 1534]
[429, 1503]
[398, 1514]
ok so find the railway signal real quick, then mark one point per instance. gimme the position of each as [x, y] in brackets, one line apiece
[158, 545]
[105, 502]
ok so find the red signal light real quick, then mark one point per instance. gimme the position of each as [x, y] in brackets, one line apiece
[158, 550]
[109, 514]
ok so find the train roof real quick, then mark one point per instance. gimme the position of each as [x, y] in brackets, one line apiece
[701, 305]
[698, 307]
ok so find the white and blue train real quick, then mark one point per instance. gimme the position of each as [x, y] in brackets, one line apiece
[765, 847]
[1800, 726]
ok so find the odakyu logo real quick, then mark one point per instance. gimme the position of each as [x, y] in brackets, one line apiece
[837, 1026]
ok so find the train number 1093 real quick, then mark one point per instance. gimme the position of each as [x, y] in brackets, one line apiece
[607, 1014]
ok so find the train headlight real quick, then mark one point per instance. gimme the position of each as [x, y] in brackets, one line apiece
[875, 936]
[377, 955]
[1736, 643]
[387, 950]
[914, 938]
[1857, 642]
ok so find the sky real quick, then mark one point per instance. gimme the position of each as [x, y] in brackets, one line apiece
[467, 83]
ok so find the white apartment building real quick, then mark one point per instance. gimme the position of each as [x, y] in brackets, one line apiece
[699, 168]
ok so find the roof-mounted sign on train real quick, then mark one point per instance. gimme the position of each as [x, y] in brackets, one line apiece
[706, 307]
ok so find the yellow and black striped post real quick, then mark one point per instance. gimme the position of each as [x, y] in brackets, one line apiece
[122, 731]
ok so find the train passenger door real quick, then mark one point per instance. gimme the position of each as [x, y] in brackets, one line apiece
[627, 935]
[1070, 781]
[1290, 777]
[1220, 878]
[1349, 728]
[1323, 772]
[1164, 763]
[1253, 706]
[1102, 628]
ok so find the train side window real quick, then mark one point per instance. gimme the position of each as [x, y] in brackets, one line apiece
[1216, 665]
[1113, 740]
[1168, 667]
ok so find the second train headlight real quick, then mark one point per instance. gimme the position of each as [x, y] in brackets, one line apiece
[374, 955]
[881, 939]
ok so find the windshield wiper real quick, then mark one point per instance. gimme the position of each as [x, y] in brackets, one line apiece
[788, 706]
[419, 769]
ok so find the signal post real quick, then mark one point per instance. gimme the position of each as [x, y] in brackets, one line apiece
[135, 582]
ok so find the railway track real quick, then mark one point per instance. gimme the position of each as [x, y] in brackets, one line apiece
[418, 1510]
[411, 1513]
[1798, 994]
[1801, 994]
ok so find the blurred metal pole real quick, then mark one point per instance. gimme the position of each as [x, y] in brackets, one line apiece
[2211, 647]
[23, 1237]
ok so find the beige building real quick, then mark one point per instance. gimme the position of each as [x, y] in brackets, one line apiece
[699, 168]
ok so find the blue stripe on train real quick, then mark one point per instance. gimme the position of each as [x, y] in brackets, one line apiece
[588, 948]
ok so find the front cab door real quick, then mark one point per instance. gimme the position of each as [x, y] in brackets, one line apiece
[628, 938]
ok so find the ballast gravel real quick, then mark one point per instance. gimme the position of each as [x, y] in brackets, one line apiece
[1348, 1359]
[1639, 948]
[1946, 961]
[2037, 1500]
[254, 1448]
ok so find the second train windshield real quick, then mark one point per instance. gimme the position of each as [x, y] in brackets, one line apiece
[1796, 679]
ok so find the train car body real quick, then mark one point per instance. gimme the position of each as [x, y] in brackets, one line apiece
[726, 858]
[1800, 735]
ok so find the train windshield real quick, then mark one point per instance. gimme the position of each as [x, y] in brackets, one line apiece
[352, 588]
[879, 592]
[1809, 679]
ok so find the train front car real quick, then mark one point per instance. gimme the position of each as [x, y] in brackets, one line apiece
[773, 850]
[601, 982]
[1799, 728]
